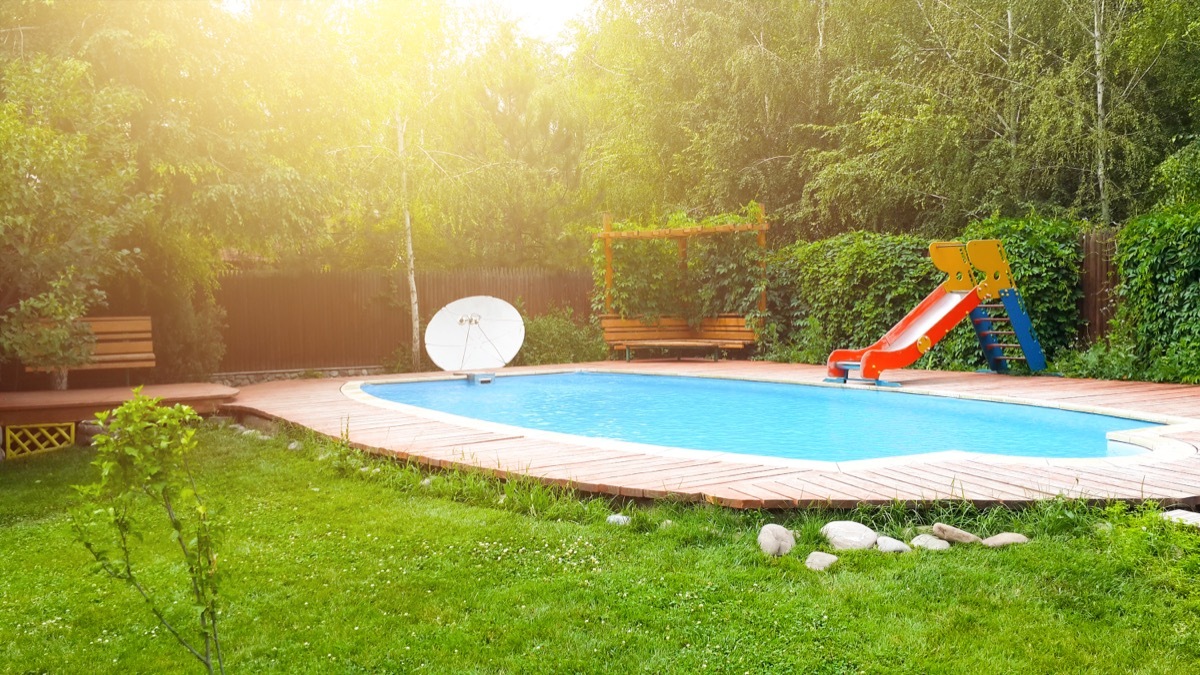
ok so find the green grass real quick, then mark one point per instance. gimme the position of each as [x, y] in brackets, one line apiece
[334, 562]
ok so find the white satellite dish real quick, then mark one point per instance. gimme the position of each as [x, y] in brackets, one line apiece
[474, 333]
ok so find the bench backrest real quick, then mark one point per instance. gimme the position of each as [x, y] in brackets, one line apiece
[721, 327]
[121, 342]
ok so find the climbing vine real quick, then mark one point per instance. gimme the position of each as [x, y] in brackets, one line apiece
[722, 272]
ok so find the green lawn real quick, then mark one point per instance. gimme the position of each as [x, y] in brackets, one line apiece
[336, 563]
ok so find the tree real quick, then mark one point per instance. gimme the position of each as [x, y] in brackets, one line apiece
[64, 205]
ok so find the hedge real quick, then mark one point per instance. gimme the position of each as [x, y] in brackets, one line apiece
[849, 290]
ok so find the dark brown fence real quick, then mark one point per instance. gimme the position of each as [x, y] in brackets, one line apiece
[1099, 280]
[348, 319]
[532, 291]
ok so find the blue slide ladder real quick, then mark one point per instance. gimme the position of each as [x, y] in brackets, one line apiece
[997, 324]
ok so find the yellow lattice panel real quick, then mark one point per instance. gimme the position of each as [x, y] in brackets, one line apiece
[27, 439]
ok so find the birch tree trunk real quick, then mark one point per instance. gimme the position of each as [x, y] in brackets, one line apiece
[413, 308]
[1101, 126]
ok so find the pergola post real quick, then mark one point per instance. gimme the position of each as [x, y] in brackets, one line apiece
[762, 247]
[608, 265]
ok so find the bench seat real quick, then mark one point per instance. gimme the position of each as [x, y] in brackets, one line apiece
[722, 332]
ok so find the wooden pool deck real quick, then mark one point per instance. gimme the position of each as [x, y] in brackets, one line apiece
[1170, 474]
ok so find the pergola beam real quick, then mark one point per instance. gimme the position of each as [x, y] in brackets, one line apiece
[681, 232]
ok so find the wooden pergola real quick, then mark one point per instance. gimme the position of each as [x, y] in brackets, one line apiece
[681, 235]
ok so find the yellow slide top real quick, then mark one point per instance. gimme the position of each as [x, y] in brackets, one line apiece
[957, 260]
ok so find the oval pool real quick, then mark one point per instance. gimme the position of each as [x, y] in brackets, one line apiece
[765, 418]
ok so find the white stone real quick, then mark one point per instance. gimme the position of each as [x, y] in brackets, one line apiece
[1186, 517]
[294, 445]
[818, 561]
[846, 535]
[953, 534]
[666, 524]
[930, 542]
[889, 545]
[1005, 539]
[618, 519]
[427, 482]
[775, 539]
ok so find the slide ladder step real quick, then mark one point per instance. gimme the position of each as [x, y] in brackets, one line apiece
[849, 365]
[997, 332]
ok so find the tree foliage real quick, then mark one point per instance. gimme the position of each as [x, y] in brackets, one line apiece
[206, 134]
[65, 203]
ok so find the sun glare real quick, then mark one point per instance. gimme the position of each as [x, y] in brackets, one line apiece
[542, 19]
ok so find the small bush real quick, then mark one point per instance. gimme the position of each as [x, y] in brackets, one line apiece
[141, 458]
[557, 337]
[1108, 359]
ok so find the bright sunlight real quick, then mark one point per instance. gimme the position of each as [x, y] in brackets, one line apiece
[542, 19]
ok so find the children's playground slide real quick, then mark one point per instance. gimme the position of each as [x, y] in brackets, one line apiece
[978, 285]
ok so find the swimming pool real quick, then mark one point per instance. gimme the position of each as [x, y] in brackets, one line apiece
[764, 418]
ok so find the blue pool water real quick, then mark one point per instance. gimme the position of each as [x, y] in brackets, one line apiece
[763, 418]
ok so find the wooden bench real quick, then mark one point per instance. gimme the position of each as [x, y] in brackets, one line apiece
[722, 332]
[121, 342]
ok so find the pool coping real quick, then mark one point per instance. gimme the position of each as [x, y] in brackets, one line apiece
[1157, 447]
[1169, 473]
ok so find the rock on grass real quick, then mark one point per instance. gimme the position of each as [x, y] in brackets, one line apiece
[1005, 539]
[953, 534]
[1186, 517]
[847, 535]
[929, 542]
[818, 561]
[889, 545]
[775, 540]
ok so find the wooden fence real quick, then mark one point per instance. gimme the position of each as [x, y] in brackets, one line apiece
[348, 319]
[1099, 280]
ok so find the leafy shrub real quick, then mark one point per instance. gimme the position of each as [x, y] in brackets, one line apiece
[1109, 359]
[841, 292]
[557, 337]
[141, 457]
[1045, 257]
[848, 290]
[45, 331]
[1156, 334]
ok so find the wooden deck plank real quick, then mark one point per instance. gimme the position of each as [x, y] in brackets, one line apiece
[983, 482]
